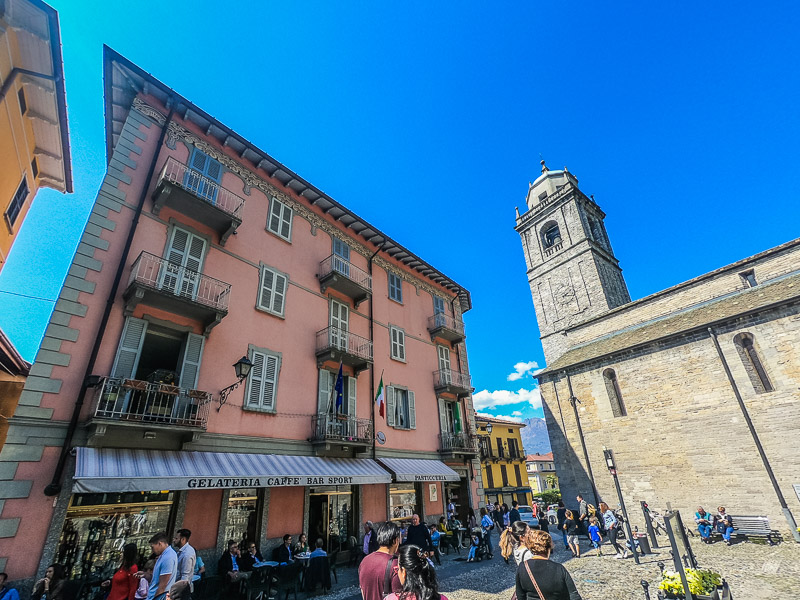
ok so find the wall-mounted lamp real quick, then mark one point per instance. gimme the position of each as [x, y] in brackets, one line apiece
[489, 428]
[242, 368]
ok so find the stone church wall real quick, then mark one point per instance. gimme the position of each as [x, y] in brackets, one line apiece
[684, 439]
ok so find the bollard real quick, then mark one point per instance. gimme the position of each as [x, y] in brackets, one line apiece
[686, 561]
[646, 587]
[661, 565]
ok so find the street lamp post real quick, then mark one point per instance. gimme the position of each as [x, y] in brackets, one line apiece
[612, 468]
[242, 369]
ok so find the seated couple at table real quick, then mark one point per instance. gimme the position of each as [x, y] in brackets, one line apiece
[285, 555]
[236, 565]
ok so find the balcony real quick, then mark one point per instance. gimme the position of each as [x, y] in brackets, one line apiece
[168, 286]
[339, 274]
[123, 404]
[338, 345]
[446, 327]
[329, 430]
[454, 445]
[452, 382]
[198, 197]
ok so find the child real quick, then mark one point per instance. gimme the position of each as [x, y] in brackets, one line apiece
[594, 534]
[473, 548]
[145, 576]
[435, 538]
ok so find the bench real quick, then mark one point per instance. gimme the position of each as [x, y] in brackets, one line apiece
[751, 526]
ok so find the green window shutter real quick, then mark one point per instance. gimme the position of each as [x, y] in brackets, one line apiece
[130, 346]
[192, 354]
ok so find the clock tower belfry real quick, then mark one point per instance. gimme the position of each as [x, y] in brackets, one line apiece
[572, 270]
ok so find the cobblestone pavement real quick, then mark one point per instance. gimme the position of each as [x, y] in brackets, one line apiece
[754, 572]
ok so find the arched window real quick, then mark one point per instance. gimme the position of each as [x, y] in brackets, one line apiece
[551, 235]
[745, 344]
[614, 393]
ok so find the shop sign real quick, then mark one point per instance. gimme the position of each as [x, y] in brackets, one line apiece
[427, 477]
[259, 482]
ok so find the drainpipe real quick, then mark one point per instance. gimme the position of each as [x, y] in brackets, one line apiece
[574, 402]
[786, 512]
[54, 487]
[371, 339]
[18, 71]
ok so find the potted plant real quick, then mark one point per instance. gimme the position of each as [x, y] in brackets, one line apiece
[703, 584]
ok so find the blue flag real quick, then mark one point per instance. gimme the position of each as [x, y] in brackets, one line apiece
[339, 389]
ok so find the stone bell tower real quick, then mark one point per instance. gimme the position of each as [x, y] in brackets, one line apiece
[572, 270]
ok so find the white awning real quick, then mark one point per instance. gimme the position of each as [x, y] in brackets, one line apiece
[113, 470]
[416, 469]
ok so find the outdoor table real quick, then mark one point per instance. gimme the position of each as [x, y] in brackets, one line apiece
[460, 537]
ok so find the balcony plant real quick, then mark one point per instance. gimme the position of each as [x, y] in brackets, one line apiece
[703, 584]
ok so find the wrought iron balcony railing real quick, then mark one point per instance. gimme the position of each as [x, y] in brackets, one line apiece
[449, 378]
[446, 327]
[462, 442]
[341, 428]
[333, 338]
[152, 403]
[156, 273]
[337, 265]
[201, 186]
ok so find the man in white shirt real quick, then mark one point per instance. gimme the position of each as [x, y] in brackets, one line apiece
[187, 557]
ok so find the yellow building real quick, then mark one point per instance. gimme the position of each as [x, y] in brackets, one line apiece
[541, 472]
[34, 140]
[502, 461]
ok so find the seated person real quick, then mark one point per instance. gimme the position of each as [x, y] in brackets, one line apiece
[283, 553]
[251, 557]
[230, 564]
[199, 568]
[704, 524]
[302, 545]
[6, 592]
[318, 551]
[724, 524]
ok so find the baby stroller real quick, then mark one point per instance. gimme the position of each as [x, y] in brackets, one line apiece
[482, 551]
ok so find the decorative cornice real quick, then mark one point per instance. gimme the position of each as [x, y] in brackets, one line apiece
[176, 131]
[148, 111]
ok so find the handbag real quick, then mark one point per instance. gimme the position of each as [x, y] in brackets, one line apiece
[533, 579]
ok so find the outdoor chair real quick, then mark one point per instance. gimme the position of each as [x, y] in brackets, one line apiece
[288, 577]
[318, 572]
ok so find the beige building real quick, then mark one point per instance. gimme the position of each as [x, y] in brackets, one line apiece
[695, 388]
[541, 472]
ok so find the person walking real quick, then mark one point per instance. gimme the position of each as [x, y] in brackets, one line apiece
[539, 578]
[51, 586]
[594, 534]
[506, 512]
[417, 576]
[612, 525]
[512, 542]
[572, 528]
[583, 515]
[165, 571]
[705, 524]
[378, 572]
[124, 583]
[561, 516]
[513, 515]
[187, 557]
[497, 516]
[419, 535]
[486, 526]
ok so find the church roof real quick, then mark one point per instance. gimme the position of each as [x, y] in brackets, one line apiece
[698, 317]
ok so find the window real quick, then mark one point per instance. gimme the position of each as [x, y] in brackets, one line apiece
[327, 394]
[185, 254]
[240, 518]
[35, 167]
[445, 376]
[401, 410]
[489, 477]
[513, 450]
[745, 345]
[339, 325]
[398, 337]
[449, 417]
[23, 104]
[202, 176]
[551, 235]
[614, 393]
[518, 474]
[395, 288]
[486, 450]
[749, 278]
[272, 294]
[280, 219]
[262, 386]
[15, 207]
[341, 257]
[500, 452]
[504, 475]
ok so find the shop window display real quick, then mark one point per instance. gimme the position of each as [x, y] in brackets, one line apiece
[97, 526]
[240, 523]
[402, 501]
[332, 516]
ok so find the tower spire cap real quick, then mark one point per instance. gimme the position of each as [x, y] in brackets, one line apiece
[544, 166]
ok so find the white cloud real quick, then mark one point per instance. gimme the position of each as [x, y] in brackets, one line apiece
[505, 417]
[486, 399]
[521, 369]
[516, 413]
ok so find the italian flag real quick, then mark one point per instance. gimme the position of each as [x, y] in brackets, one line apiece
[380, 399]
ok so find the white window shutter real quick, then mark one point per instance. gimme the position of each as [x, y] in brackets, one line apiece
[279, 294]
[390, 406]
[351, 396]
[324, 391]
[192, 354]
[267, 283]
[286, 222]
[270, 381]
[256, 381]
[130, 346]
[401, 344]
[443, 422]
[412, 411]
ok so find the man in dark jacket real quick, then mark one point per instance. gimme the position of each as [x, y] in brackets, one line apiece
[513, 514]
[251, 557]
[497, 517]
[283, 553]
[370, 542]
[419, 535]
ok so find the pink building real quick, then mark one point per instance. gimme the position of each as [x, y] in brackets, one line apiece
[202, 249]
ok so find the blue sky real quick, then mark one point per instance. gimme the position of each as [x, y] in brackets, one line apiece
[681, 119]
